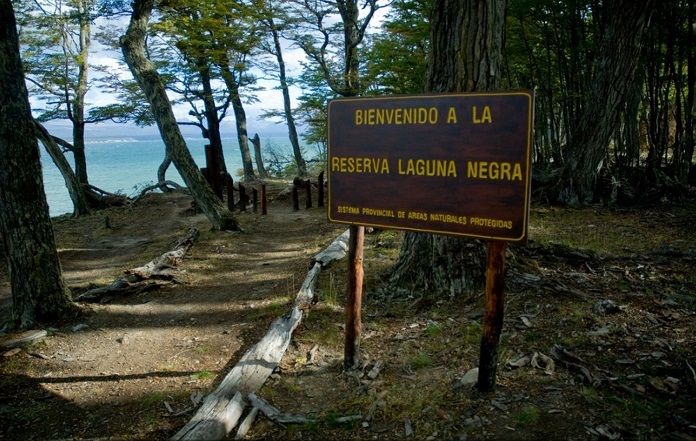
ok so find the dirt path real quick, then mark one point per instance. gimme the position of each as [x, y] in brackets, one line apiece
[97, 375]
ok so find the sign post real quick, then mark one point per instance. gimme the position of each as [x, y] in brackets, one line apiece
[351, 348]
[455, 164]
[493, 317]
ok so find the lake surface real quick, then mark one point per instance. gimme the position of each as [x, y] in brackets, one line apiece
[126, 166]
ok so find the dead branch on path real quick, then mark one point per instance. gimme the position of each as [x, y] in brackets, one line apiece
[154, 274]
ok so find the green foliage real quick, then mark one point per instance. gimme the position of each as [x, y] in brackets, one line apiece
[433, 330]
[202, 375]
[311, 111]
[527, 416]
[396, 58]
[421, 360]
[552, 47]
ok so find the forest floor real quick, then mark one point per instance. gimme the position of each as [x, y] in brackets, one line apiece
[599, 339]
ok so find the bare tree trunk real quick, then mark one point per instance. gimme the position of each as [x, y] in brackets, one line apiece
[162, 169]
[287, 106]
[627, 21]
[39, 293]
[75, 190]
[133, 46]
[76, 108]
[465, 55]
[688, 142]
[240, 120]
[256, 141]
[211, 116]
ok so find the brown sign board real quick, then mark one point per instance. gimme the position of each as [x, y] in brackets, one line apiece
[457, 164]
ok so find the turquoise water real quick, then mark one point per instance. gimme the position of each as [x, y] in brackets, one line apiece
[126, 166]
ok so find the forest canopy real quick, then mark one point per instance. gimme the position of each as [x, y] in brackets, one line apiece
[631, 144]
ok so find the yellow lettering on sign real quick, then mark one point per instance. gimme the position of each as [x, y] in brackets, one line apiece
[427, 167]
[397, 116]
[505, 171]
[359, 165]
[452, 116]
[485, 117]
[348, 210]
[490, 223]
[417, 215]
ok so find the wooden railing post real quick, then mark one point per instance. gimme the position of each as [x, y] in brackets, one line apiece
[243, 198]
[320, 191]
[230, 192]
[263, 200]
[295, 198]
[308, 194]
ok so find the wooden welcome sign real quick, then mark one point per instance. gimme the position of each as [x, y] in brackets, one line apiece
[456, 164]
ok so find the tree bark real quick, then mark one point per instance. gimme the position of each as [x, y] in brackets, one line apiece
[287, 106]
[211, 115]
[627, 21]
[133, 46]
[256, 141]
[39, 293]
[162, 169]
[465, 55]
[240, 120]
[76, 107]
[75, 190]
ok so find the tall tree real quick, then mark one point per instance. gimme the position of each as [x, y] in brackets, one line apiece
[623, 29]
[276, 20]
[330, 33]
[38, 291]
[133, 46]
[670, 78]
[233, 81]
[57, 38]
[466, 44]
[57, 41]
[214, 41]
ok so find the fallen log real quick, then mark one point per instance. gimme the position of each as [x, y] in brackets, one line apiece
[162, 266]
[255, 366]
[164, 186]
[245, 425]
[152, 275]
[99, 198]
[23, 339]
[335, 251]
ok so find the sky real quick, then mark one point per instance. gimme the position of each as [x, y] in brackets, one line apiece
[269, 98]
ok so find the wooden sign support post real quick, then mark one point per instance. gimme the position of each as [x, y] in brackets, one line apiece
[354, 297]
[493, 318]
